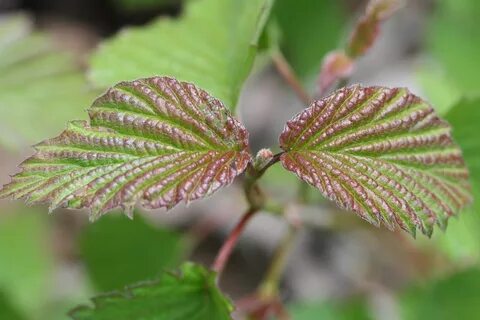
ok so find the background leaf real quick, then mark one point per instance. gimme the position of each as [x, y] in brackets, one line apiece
[154, 140]
[118, 251]
[381, 153]
[36, 81]
[213, 45]
[454, 297]
[191, 295]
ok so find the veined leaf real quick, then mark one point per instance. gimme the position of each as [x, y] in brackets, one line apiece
[190, 295]
[382, 153]
[154, 140]
[36, 81]
[212, 45]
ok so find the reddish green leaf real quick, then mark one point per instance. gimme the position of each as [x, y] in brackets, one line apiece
[153, 140]
[336, 65]
[381, 153]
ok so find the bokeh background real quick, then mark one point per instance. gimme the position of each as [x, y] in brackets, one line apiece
[340, 268]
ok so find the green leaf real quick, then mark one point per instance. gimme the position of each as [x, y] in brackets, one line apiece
[189, 295]
[153, 140]
[114, 260]
[212, 45]
[309, 30]
[36, 82]
[381, 153]
[355, 309]
[454, 297]
[26, 260]
[463, 238]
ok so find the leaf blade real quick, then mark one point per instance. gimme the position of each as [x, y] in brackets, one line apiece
[190, 294]
[154, 140]
[381, 153]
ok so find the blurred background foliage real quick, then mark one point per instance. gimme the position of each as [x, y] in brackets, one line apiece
[341, 268]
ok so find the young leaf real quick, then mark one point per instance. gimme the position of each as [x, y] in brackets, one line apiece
[367, 29]
[339, 64]
[189, 295]
[382, 153]
[36, 81]
[336, 65]
[154, 140]
[212, 45]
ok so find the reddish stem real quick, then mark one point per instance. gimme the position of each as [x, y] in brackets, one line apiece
[229, 244]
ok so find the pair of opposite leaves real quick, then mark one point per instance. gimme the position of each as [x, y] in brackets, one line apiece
[381, 153]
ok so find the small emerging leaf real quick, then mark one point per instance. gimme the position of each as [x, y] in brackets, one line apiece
[382, 153]
[154, 140]
[367, 28]
[336, 65]
[189, 295]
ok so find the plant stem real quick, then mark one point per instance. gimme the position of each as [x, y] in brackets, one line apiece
[256, 201]
[229, 244]
[290, 77]
[269, 287]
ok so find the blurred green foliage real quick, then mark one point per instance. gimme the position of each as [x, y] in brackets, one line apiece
[454, 297]
[452, 41]
[36, 82]
[309, 29]
[26, 259]
[118, 251]
[7, 311]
